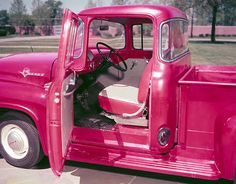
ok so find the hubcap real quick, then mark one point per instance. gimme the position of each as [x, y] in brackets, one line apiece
[14, 141]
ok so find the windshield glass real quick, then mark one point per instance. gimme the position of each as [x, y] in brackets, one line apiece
[79, 40]
[174, 39]
[110, 33]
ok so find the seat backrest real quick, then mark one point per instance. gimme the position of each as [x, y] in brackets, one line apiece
[144, 83]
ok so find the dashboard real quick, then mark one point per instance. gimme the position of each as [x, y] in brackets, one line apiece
[94, 59]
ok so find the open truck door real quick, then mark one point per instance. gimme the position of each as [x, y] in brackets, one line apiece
[60, 95]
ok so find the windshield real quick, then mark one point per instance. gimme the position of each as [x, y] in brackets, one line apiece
[79, 40]
[110, 33]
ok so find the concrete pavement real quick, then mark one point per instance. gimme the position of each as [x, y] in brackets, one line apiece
[8, 39]
[78, 173]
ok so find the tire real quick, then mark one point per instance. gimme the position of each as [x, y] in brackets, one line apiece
[19, 140]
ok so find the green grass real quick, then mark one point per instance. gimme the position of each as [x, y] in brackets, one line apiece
[215, 54]
[202, 52]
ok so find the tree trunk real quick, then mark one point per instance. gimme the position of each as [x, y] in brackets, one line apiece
[191, 33]
[213, 25]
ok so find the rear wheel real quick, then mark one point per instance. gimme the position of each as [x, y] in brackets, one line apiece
[19, 140]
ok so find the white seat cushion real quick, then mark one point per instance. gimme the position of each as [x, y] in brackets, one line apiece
[121, 92]
[119, 99]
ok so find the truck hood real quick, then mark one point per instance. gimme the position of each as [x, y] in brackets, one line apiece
[30, 68]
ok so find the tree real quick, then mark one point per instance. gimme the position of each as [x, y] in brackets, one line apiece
[55, 10]
[214, 4]
[4, 17]
[17, 12]
[46, 14]
[144, 1]
[28, 24]
[91, 4]
[118, 2]
[40, 13]
[199, 5]
[41, 16]
[226, 14]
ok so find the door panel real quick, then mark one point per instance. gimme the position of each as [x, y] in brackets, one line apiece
[67, 113]
[60, 95]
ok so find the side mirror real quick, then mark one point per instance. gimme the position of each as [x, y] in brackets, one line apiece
[104, 28]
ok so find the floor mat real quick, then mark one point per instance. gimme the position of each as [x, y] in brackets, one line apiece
[95, 121]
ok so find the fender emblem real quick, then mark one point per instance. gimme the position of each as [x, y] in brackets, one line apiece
[26, 72]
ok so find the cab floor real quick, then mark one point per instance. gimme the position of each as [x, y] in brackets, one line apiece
[96, 121]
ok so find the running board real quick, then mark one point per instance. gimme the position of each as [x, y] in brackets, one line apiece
[143, 161]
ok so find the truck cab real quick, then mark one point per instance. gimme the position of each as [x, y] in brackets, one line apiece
[122, 92]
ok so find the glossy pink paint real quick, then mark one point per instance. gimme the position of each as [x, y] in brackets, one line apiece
[197, 104]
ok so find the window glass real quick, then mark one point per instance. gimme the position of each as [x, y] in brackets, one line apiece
[79, 40]
[137, 36]
[147, 36]
[165, 38]
[70, 45]
[174, 39]
[142, 36]
[110, 33]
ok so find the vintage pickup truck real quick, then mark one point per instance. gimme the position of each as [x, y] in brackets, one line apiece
[120, 92]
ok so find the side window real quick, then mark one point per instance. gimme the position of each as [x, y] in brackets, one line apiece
[79, 40]
[70, 46]
[142, 36]
[174, 39]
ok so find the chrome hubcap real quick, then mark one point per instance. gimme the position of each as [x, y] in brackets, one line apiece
[14, 141]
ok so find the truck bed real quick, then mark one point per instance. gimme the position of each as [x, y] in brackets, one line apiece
[207, 113]
[213, 75]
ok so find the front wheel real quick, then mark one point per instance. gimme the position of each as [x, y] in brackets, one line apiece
[19, 141]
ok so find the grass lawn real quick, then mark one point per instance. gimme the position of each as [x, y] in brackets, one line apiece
[214, 54]
[202, 52]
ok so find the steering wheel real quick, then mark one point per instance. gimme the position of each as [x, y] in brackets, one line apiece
[108, 59]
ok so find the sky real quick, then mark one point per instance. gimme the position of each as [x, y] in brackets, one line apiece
[74, 5]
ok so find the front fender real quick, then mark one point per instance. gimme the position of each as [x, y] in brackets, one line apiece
[28, 99]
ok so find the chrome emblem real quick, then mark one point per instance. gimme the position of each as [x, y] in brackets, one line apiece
[26, 72]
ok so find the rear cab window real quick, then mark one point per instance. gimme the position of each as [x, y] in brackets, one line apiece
[173, 39]
[142, 36]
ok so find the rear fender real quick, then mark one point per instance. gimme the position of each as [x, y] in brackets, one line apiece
[225, 144]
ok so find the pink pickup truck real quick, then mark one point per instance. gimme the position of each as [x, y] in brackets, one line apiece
[128, 99]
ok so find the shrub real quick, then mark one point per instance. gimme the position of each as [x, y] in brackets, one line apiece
[11, 30]
[3, 32]
[201, 35]
[37, 33]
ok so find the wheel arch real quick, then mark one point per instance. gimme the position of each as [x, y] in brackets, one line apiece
[35, 119]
